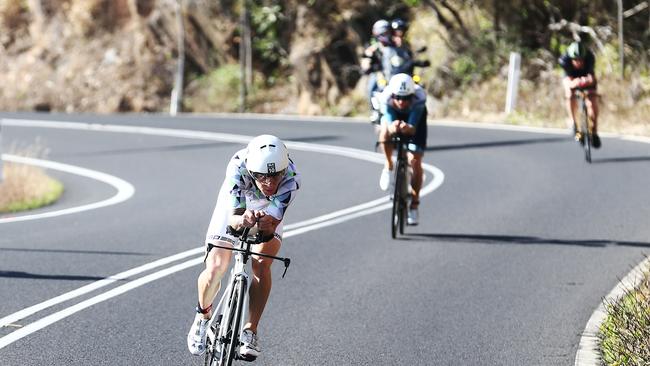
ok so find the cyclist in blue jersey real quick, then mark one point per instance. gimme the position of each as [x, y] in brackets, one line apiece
[403, 109]
[260, 184]
[578, 64]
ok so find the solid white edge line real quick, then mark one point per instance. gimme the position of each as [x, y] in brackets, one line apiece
[299, 228]
[125, 190]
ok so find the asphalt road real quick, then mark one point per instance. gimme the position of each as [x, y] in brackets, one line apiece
[514, 251]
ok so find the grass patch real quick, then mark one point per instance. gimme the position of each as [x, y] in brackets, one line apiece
[625, 335]
[27, 187]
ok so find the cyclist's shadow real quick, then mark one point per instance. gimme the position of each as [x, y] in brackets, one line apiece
[627, 159]
[515, 239]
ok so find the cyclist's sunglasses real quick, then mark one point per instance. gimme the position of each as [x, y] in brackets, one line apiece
[260, 176]
[402, 97]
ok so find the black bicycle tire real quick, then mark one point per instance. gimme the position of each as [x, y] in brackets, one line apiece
[395, 217]
[210, 356]
[402, 199]
[233, 344]
[586, 133]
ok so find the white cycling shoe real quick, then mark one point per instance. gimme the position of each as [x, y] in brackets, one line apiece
[412, 217]
[196, 336]
[249, 349]
[386, 179]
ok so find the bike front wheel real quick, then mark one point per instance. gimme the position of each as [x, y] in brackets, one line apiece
[397, 218]
[231, 344]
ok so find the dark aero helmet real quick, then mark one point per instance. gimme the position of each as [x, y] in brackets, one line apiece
[399, 24]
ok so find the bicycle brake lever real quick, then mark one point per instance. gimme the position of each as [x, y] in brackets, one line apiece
[287, 262]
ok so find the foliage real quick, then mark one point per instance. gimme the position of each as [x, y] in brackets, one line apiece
[625, 334]
[266, 22]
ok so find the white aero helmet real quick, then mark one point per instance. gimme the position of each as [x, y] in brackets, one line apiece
[380, 27]
[401, 85]
[267, 154]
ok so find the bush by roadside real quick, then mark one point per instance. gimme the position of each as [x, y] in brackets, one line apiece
[625, 334]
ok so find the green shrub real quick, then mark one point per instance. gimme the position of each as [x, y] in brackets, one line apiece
[625, 334]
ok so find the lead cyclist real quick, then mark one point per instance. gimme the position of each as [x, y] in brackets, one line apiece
[260, 184]
[403, 109]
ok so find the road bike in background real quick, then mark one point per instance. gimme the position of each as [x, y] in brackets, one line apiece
[225, 327]
[584, 122]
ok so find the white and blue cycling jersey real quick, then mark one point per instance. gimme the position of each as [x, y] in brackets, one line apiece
[239, 191]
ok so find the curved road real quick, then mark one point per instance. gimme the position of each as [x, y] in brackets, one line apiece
[514, 252]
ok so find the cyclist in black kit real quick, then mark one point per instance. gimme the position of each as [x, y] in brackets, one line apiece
[578, 63]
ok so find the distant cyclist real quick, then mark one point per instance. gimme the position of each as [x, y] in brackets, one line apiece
[372, 58]
[578, 63]
[398, 57]
[260, 184]
[403, 108]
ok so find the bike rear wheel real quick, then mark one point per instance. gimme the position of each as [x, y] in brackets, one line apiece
[211, 354]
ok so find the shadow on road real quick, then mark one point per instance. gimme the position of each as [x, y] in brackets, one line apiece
[482, 145]
[629, 159]
[144, 150]
[27, 275]
[512, 239]
[314, 138]
[65, 251]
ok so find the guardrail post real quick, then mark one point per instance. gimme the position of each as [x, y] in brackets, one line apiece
[513, 81]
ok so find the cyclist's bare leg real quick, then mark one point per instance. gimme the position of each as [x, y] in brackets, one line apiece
[386, 146]
[571, 103]
[415, 160]
[209, 280]
[261, 282]
[592, 110]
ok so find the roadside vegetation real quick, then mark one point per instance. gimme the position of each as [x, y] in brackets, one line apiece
[27, 187]
[625, 335]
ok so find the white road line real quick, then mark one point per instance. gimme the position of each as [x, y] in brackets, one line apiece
[292, 229]
[94, 286]
[124, 189]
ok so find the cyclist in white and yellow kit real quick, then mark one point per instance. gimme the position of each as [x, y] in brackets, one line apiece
[261, 182]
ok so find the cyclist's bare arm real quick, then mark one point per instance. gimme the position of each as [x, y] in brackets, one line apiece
[241, 218]
[583, 81]
[401, 127]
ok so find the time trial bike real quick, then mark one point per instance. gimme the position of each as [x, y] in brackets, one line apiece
[225, 326]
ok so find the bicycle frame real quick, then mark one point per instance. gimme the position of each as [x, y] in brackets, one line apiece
[225, 325]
